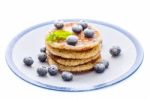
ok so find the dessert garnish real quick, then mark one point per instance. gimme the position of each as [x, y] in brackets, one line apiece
[59, 24]
[72, 40]
[42, 57]
[83, 24]
[67, 76]
[28, 61]
[99, 68]
[53, 70]
[89, 33]
[115, 51]
[57, 35]
[105, 62]
[77, 28]
[42, 71]
[43, 49]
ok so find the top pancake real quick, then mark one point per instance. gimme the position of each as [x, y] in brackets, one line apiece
[83, 42]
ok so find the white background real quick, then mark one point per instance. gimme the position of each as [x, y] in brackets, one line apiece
[131, 15]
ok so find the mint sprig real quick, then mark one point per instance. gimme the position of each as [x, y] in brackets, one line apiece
[57, 35]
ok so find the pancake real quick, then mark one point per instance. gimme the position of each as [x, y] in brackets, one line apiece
[78, 57]
[73, 62]
[83, 42]
[74, 54]
[75, 69]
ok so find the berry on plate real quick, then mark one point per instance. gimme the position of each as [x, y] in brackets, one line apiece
[115, 51]
[42, 57]
[53, 70]
[99, 68]
[67, 76]
[105, 62]
[42, 71]
[28, 61]
[43, 49]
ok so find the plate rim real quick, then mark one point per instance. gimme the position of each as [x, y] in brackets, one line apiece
[132, 70]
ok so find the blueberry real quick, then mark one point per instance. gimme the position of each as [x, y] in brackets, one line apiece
[83, 24]
[42, 71]
[99, 68]
[105, 62]
[89, 33]
[28, 61]
[67, 76]
[53, 70]
[59, 24]
[115, 51]
[43, 49]
[77, 29]
[42, 57]
[72, 40]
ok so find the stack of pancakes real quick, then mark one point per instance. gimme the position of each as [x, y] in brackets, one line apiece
[76, 59]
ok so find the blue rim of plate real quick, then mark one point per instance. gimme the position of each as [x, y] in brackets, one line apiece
[133, 69]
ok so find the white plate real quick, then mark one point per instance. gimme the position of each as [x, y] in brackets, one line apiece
[29, 42]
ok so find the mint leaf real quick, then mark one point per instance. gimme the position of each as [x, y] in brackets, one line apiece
[57, 35]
